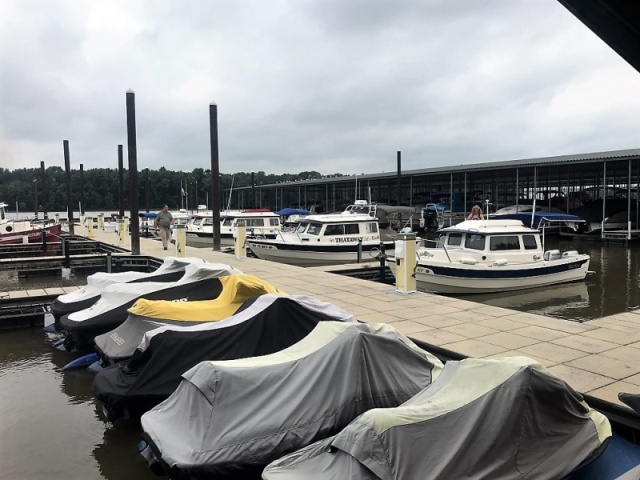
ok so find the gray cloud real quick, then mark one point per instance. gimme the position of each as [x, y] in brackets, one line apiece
[326, 85]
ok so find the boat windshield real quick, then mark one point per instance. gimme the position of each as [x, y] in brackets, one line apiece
[314, 229]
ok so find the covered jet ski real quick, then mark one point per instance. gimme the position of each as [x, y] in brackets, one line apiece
[171, 270]
[199, 282]
[233, 417]
[481, 419]
[265, 325]
[120, 343]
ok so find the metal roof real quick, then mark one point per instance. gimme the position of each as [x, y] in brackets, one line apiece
[580, 158]
[616, 22]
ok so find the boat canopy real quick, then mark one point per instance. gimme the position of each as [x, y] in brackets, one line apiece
[535, 219]
[285, 212]
[481, 418]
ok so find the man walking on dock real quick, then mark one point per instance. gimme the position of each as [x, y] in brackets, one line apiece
[163, 223]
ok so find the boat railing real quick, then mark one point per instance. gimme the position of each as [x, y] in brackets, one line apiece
[438, 243]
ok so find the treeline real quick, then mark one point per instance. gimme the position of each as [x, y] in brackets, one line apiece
[24, 187]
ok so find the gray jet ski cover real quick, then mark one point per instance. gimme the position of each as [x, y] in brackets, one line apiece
[481, 419]
[235, 416]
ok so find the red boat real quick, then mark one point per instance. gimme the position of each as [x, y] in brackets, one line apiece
[33, 235]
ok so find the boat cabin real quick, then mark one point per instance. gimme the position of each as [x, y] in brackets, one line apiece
[487, 240]
[338, 228]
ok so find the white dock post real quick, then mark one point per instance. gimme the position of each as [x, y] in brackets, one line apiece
[181, 240]
[405, 255]
[239, 239]
[89, 227]
[121, 232]
[82, 219]
[100, 222]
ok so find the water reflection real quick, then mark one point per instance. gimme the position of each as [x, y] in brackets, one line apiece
[612, 288]
[117, 455]
[551, 301]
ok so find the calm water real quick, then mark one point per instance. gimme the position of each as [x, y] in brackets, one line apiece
[51, 428]
[612, 288]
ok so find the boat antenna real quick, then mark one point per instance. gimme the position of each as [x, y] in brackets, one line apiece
[233, 177]
[535, 194]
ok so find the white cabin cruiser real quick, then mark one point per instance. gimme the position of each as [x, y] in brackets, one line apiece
[329, 239]
[259, 222]
[480, 256]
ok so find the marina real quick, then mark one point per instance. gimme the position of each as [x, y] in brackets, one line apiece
[598, 357]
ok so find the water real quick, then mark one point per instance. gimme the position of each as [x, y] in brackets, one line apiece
[51, 427]
[612, 288]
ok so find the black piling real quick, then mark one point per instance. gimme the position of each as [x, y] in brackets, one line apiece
[120, 183]
[67, 169]
[134, 222]
[43, 191]
[82, 207]
[359, 258]
[399, 197]
[215, 175]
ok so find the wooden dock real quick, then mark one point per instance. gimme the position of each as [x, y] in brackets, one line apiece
[599, 358]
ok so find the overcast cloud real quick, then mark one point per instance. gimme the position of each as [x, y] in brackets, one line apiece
[336, 86]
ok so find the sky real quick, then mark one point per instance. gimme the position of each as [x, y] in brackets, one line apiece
[334, 86]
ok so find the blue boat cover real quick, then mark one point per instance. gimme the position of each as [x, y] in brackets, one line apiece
[285, 212]
[551, 217]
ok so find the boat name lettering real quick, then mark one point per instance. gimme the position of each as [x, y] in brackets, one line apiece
[180, 300]
[348, 239]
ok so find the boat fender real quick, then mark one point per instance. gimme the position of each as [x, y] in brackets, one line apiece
[468, 261]
[552, 255]
[570, 253]
[502, 262]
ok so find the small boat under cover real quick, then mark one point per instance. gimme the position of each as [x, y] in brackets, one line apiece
[481, 418]
[234, 417]
[120, 343]
[200, 281]
[266, 324]
[171, 270]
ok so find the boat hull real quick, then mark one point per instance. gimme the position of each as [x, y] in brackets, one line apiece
[52, 234]
[310, 255]
[205, 239]
[468, 279]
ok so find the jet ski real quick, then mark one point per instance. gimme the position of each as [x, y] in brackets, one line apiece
[171, 270]
[120, 343]
[199, 282]
[266, 324]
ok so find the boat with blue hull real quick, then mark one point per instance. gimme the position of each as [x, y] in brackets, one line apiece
[481, 256]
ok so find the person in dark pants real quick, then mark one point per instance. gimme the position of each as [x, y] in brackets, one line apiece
[163, 223]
